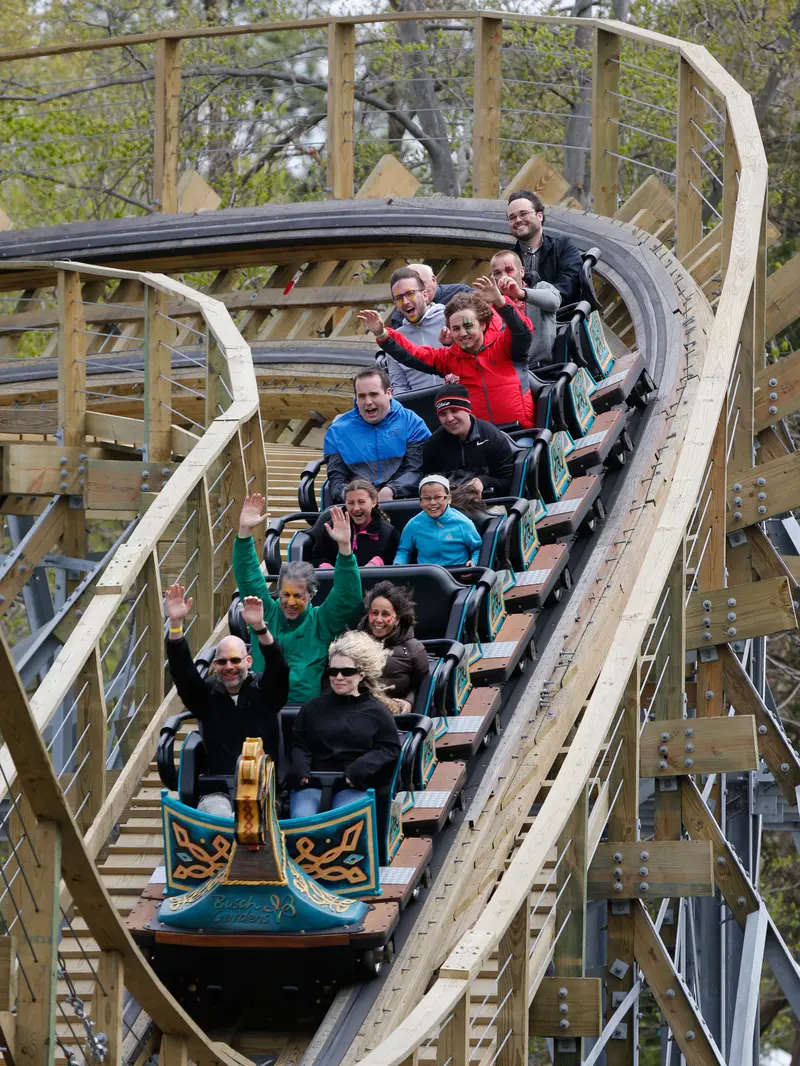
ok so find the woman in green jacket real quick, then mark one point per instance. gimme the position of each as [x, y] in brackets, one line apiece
[304, 632]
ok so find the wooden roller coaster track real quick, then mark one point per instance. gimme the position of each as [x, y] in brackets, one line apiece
[161, 449]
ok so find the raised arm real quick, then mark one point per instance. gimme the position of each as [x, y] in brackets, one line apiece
[521, 331]
[273, 684]
[345, 595]
[190, 685]
[520, 328]
[246, 564]
[419, 356]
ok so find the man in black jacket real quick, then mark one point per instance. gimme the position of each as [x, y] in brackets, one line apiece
[544, 258]
[231, 704]
[466, 449]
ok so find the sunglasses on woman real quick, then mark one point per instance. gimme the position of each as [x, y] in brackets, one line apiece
[222, 662]
[342, 671]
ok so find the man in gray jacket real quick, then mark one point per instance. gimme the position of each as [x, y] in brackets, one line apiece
[422, 322]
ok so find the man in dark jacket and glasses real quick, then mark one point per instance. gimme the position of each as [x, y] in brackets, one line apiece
[231, 704]
[544, 258]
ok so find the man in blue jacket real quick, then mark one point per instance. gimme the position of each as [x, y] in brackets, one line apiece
[378, 440]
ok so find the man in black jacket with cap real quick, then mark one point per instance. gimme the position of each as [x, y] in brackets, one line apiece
[467, 449]
[544, 258]
[232, 703]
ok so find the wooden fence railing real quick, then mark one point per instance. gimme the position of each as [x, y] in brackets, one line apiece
[67, 826]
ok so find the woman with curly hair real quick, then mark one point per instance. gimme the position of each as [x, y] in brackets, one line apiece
[390, 619]
[347, 730]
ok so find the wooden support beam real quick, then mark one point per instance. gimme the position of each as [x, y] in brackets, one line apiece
[673, 999]
[777, 391]
[159, 336]
[200, 545]
[767, 562]
[8, 974]
[699, 746]
[668, 704]
[623, 825]
[537, 175]
[38, 950]
[740, 612]
[166, 119]
[231, 490]
[773, 744]
[708, 557]
[452, 1046]
[218, 382]
[782, 308]
[341, 99]
[30, 551]
[148, 688]
[569, 956]
[513, 989]
[93, 729]
[673, 868]
[174, 1051]
[731, 880]
[108, 1001]
[583, 998]
[731, 170]
[488, 42]
[605, 122]
[688, 205]
[71, 359]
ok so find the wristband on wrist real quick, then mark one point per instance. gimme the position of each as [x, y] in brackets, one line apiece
[383, 335]
[260, 632]
[178, 629]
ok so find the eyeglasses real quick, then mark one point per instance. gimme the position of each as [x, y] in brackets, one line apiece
[342, 671]
[404, 296]
[235, 661]
[432, 499]
[522, 214]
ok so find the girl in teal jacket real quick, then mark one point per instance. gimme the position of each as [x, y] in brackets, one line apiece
[439, 534]
[303, 631]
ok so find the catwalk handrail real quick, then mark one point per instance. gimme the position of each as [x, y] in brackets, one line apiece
[25, 756]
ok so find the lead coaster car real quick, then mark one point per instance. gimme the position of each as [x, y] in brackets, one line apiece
[257, 897]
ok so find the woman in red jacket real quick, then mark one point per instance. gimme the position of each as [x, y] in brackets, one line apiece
[489, 354]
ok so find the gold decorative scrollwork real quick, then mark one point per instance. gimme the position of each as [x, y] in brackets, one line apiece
[208, 863]
[321, 866]
[314, 891]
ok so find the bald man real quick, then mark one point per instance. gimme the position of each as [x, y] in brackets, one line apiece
[232, 703]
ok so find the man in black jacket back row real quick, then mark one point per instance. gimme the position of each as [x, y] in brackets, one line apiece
[544, 257]
[466, 449]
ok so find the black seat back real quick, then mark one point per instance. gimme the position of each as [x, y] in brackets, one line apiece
[438, 597]
[420, 401]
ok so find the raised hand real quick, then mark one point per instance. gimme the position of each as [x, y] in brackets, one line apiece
[339, 530]
[487, 288]
[509, 287]
[253, 611]
[445, 337]
[176, 604]
[251, 515]
[373, 321]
